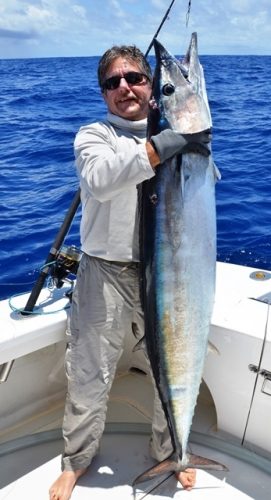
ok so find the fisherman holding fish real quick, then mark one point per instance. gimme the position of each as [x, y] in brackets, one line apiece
[112, 158]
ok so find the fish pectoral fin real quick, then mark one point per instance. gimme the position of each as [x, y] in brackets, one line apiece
[168, 465]
[198, 462]
[217, 173]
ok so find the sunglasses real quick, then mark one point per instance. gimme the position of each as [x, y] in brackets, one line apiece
[131, 77]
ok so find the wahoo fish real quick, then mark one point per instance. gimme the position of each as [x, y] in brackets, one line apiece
[178, 252]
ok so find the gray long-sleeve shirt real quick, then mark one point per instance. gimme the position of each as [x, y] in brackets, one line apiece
[111, 160]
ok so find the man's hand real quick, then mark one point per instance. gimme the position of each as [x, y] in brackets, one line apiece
[204, 137]
[168, 143]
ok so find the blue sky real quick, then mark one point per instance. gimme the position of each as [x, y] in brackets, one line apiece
[48, 28]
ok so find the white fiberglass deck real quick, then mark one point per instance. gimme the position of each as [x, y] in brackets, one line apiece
[29, 470]
[32, 400]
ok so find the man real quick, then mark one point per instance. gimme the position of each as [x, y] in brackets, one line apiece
[112, 158]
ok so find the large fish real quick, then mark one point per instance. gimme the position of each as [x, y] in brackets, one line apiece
[178, 244]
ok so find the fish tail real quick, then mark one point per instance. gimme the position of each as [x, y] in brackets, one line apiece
[168, 465]
[173, 465]
[198, 462]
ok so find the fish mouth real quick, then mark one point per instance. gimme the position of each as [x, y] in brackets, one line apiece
[180, 89]
[189, 66]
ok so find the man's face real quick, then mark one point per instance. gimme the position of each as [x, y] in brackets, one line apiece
[127, 101]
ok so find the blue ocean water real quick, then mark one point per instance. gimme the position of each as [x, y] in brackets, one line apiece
[43, 102]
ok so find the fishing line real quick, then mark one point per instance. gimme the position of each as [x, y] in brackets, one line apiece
[258, 374]
[159, 27]
[50, 287]
[188, 13]
[166, 16]
[34, 313]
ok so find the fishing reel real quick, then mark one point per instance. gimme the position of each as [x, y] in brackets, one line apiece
[65, 267]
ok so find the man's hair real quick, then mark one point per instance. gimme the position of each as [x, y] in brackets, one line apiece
[130, 52]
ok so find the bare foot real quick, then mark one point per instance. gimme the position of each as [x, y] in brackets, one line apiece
[187, 478]
[63, 486]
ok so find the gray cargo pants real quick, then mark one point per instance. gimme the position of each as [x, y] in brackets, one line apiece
[106, 306]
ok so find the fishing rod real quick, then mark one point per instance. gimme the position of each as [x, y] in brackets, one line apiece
[159, 27]
[54, 251]
[52, 256]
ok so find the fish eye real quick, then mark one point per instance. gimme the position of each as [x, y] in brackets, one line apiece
[168, 89]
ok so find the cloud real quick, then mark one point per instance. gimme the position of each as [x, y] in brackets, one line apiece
[118, 11]
[160, 4]
[21, 35]
[44, 16]
[44, 27]
[226, 27]
[84, 27]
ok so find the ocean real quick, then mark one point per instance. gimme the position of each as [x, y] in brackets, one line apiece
[43, 103]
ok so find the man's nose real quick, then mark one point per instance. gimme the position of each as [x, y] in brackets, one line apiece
[123, 83]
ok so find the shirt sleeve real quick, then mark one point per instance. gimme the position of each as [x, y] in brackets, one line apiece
[107, 164]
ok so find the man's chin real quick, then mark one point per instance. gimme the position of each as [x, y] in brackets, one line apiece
[132, 114]
[128, 110]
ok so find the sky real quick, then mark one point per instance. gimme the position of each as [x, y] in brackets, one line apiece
[68, 28]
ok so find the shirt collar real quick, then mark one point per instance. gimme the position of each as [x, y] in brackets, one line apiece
[139, 125]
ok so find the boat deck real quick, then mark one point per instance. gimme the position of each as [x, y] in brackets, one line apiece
[30, 455]
[31, 464]
[33, 398]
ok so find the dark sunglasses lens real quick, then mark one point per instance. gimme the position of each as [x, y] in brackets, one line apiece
[132, 78]
[112, 83]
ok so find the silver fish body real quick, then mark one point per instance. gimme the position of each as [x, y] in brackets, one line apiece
[178, 244]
